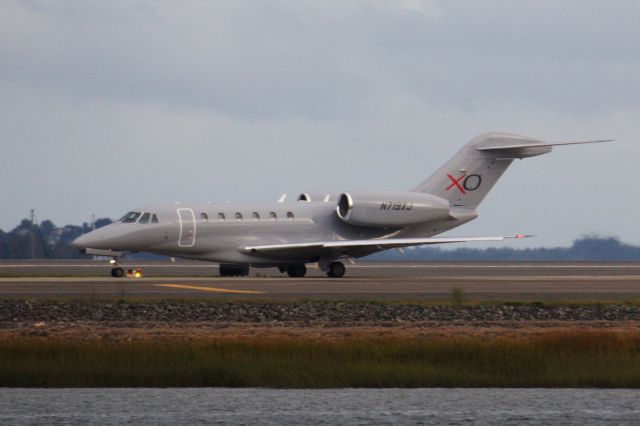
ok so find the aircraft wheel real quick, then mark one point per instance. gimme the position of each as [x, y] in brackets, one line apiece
[234, 270]
[336, 270]
[117, 272]
[297, 271]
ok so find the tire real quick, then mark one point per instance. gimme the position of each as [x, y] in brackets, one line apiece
[117, 272]
[336, 270]
[234, 270]
[297, 271]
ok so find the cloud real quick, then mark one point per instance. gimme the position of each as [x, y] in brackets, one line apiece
[311, 59]
[109, 105]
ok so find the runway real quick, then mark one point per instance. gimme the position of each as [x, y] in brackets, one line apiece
[364, 281]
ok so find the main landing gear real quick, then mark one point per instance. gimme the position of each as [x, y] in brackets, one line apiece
[297, 271]
[234, 270]
[336, 270]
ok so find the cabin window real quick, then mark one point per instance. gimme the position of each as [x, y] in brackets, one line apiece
[238, 216]
[256, 216]
[290, 215]
[221, 217]
[130, 217]
[145, 218]
[273, 215]
[154, 218]
[204, 217]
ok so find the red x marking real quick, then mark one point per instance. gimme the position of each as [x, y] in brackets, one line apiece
[456, 183]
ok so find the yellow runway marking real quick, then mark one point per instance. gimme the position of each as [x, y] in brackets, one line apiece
[212, 289]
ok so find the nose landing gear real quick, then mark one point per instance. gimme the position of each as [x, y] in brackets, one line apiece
[117, 272]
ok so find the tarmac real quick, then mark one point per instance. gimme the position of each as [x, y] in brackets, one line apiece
[366, 281]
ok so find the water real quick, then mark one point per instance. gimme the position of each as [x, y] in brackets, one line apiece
[321, 407]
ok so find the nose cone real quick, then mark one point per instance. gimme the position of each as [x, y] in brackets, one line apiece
[110, 237]
[94, 239]
[82, 242]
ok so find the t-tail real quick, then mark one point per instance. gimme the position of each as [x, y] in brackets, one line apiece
[469, 176]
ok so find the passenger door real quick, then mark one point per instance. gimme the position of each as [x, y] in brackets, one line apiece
[187, 228]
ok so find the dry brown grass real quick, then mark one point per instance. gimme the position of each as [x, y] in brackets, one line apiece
[294, 357]
[426, 329]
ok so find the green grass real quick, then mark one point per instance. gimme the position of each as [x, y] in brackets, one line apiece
[457, 296]
[557, 359]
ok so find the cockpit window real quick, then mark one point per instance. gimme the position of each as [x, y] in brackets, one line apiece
[154, 218]
[145, 218]
[130, 217]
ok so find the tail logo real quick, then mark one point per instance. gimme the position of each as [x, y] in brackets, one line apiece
[465, 183]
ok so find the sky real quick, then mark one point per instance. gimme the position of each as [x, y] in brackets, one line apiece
[106, 106]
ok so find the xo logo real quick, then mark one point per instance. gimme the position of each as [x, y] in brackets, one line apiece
[465, 183]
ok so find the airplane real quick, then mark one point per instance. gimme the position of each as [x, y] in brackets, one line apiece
[319, 228]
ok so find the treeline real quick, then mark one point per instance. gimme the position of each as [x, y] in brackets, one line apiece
[46, 241]
[588, 248]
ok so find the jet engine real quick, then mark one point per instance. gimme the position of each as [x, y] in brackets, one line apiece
[395, 209]
[317, 196]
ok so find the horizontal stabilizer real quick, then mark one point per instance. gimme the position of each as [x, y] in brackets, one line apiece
[538, 145]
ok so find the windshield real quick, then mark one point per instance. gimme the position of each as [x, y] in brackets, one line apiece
[130, 217]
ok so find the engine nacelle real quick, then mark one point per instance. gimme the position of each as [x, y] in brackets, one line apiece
[318, 196]
[394, 209]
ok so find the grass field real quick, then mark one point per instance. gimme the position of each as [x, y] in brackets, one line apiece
[592, 358]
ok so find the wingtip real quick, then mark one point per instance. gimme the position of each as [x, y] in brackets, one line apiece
[521, 236]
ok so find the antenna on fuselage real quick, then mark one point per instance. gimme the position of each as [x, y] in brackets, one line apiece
[282, 198]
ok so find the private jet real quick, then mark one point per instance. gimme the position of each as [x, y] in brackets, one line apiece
[320, 228]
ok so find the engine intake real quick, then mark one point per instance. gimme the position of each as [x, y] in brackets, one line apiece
[396, 209]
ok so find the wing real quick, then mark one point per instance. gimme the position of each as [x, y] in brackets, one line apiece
[358, 248]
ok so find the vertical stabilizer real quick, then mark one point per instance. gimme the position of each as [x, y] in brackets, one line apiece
[469, 176]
